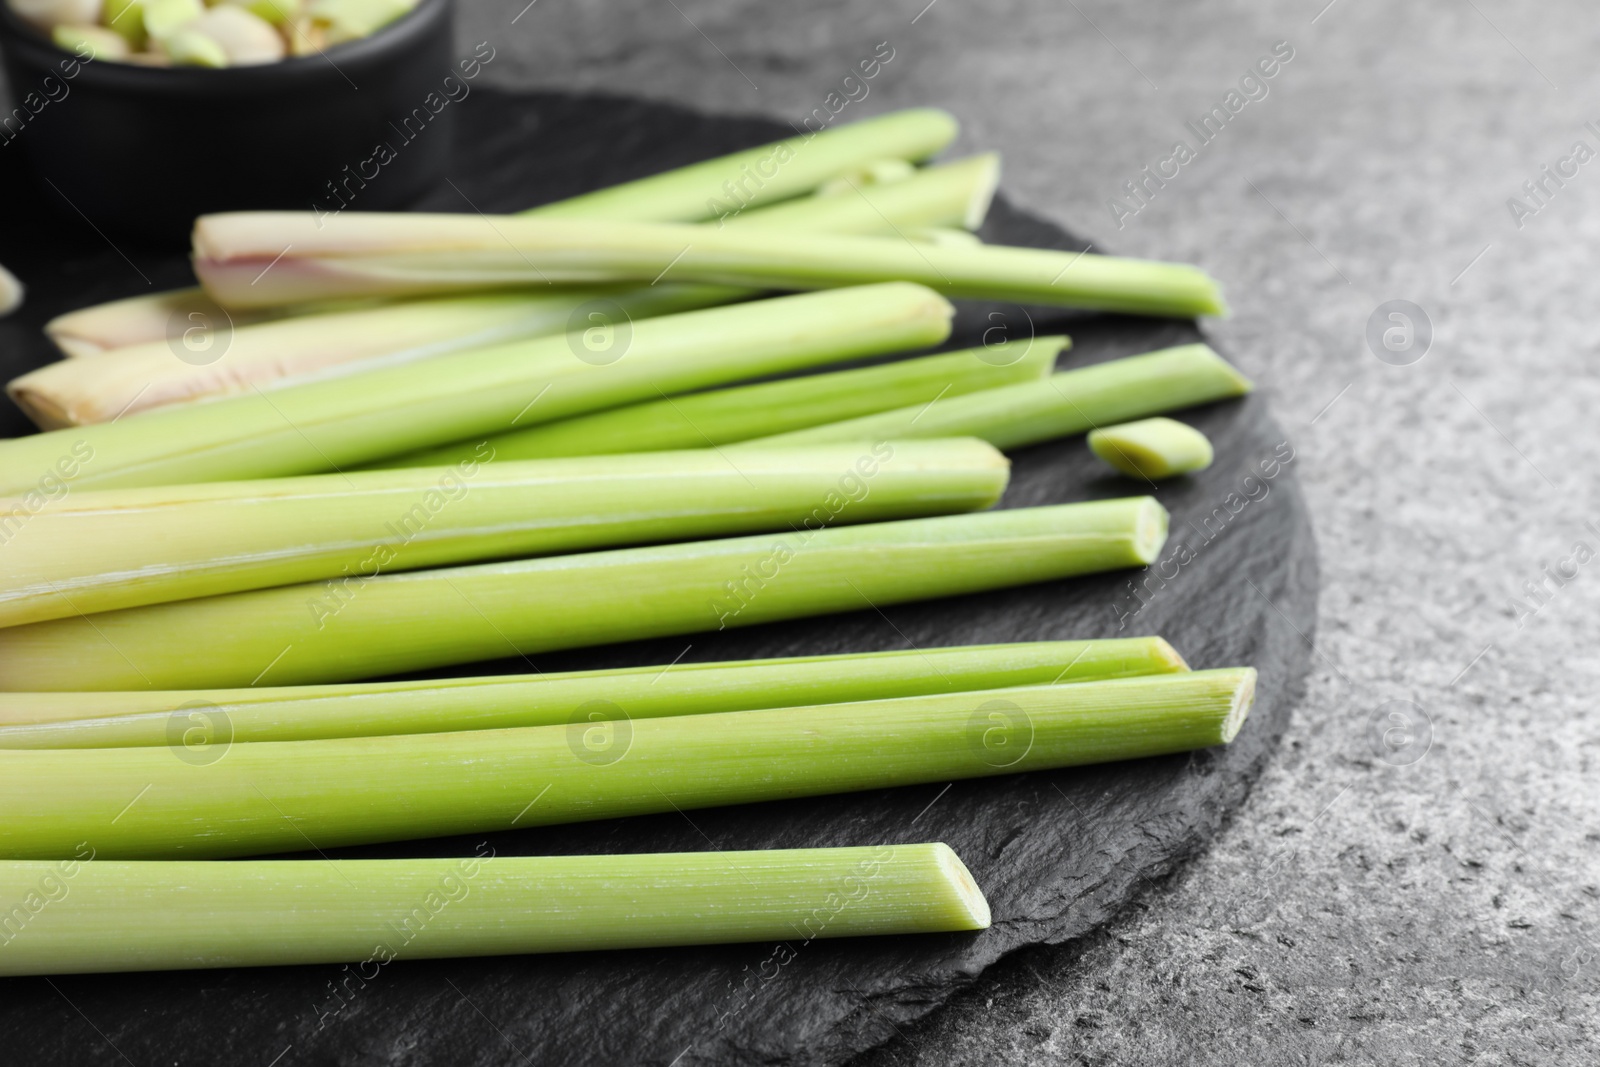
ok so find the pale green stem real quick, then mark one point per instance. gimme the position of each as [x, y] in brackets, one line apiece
[199, 718]
[100, 915]
[342, 422]
[121, 548]
[1066, 403]
[726, 416]
[241, 260]
[361, 627]
[143, 803]
[1152, 448]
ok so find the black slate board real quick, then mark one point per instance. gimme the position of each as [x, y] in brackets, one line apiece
[1057, 853]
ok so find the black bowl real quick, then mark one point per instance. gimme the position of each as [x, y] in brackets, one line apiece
[138, 152]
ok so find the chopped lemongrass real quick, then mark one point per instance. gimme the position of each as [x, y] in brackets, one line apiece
[121, 548]
[765, 174]
[150, 916]
[276, 796]
[726, 416]
[259, 259]
[1070, 402]
[10, 292]
[90, 42]
[200, 719]
[358, 418]
[364, 627]
[217, 354]
[1152, 448]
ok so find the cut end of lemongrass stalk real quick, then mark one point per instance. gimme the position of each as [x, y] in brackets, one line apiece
[10, 292]
[1226, 370]
[1163, 651]
[1152, 448]
[1244, 698]
[970, 910]
[983, 189]
[1149, 531]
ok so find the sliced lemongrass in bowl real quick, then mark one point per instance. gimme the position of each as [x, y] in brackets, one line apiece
[1152, 448]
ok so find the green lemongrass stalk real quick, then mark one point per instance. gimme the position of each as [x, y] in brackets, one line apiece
[1152, 448]
[199, 353]
[765, 174]
[727, 416]
[154, 916]
[258, 259]
[121, 548]
[199, 718]
[1066, 403]
[361, 627]
[721, 189]
[142, 803]
[328, 425]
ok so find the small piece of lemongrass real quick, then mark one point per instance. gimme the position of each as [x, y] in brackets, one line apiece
[306, 38]
[10, 292]
[162, 18]
[90, 42]
[48, 14]
[1152, 448]
[125, 18]
[190, 48]
[276, 12]
[246, 38]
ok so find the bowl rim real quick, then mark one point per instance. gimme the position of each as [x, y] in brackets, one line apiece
[16, 33]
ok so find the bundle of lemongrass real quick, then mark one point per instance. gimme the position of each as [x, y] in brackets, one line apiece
[372, 445]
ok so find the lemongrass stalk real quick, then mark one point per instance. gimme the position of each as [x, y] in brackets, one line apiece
[275, 796]
[765, 174]
[328, 425]
[360, 627]
[688, 194]
[1152, 448]
[259, 259]
[199, 352]
[1066, 403]
[726, 416]
[153, 916]
[198, 719]
[121, 548]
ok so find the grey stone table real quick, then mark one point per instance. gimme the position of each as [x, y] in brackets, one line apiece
[1423, 888]
[1417, 877]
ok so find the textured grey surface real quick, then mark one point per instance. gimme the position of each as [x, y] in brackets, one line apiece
[1443, 911]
